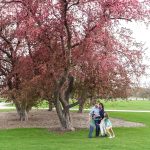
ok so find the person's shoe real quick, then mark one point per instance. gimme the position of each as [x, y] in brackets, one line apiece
[103, 136]
[96, 136]
[110, 137]
[113, 136]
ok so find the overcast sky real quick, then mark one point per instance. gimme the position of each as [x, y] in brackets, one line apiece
[142, 33]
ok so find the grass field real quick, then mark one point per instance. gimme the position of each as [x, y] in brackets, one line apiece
[41, 139]
[7, 110]
[113, 105]
[137, 138]
[127, 105]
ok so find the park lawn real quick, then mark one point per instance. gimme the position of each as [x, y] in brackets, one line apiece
[7, 110]
[127, 104]
[124, 104]
[137, 138]
[114, 105]
[110, 105]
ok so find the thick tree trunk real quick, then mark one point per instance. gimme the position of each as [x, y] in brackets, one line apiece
[50, 105]
[23, 115]
[61, 103]
[92, 101]
[22, 112]
[64, 117]
[81, 107]
[82, 101]
[22, 109]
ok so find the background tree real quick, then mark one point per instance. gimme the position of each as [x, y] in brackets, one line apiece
[15, 67]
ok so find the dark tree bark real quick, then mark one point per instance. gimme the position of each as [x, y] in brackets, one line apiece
[64, 116]
[82, 100]
[22, 111]
[50, 105]
[61, 103]
[81, 105]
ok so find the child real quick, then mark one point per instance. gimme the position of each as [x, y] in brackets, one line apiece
[92, 125]
[95, 114]
[108, 126]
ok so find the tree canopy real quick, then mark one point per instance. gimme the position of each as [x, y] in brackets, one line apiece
[51, 48]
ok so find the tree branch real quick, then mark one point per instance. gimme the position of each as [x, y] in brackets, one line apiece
[8, 42]
[17, 45]
[1, 59]
[72, 105]
[86, 36]
[121, 18]
[76, 3]
[13, 1]
[5, 52]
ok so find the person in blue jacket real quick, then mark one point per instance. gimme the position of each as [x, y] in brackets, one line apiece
[95, 115]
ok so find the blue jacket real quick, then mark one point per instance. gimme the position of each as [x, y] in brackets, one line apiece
[101, 113]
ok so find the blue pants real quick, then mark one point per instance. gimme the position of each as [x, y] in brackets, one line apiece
[91, 131]
[97, 122]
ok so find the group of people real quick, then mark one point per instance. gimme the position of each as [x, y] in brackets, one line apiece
[99, 120]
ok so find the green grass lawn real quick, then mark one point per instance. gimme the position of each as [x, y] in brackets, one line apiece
[127, 105]
[137, 138]
[116, 104]
[7, 110]
[124, 104]
[112, 105]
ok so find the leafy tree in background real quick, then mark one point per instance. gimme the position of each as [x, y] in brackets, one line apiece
[12, 48]
[67, 41]
[140, 92]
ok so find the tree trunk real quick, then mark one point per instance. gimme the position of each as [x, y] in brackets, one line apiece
[22, 112]
[64, 117]
[50, 105]
[82, 101]
[23, 115]
[81, 106]
[61, 103]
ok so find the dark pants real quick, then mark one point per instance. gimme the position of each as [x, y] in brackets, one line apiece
[91, 131]
[97, 122]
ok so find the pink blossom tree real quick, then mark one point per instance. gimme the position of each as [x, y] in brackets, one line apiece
[81, 41]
